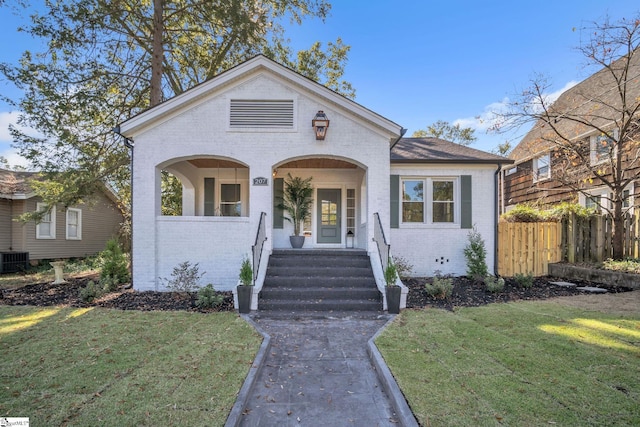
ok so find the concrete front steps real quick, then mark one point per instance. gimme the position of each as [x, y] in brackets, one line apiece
[320, 280]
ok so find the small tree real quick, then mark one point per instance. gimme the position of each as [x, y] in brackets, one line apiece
[476, 255]
[592, 130]
[184, 278]
[246, 273]
[297, 200]
[115, 266]
[444, 130]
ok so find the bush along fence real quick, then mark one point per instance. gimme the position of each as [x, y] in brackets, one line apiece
[529, 247]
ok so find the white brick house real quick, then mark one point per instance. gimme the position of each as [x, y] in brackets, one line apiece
[231, 141]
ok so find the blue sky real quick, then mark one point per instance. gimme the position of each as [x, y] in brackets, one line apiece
[419, 61]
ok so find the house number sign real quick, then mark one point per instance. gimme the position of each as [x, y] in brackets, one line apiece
[260, 181]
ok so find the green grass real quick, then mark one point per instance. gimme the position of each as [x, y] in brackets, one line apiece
[79, 367]
[529, 363]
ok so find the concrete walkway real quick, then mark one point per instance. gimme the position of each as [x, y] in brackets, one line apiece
[316, 371]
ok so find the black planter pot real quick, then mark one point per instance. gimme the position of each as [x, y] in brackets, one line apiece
[244, 299]
[296, 241]
[393, 299]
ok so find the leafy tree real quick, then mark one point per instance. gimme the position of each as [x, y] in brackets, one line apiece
[445, 130]
[107, 60]
[599, 115]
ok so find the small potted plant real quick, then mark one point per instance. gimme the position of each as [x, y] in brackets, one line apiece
[245, 287]
[393, 291]
[297, 201]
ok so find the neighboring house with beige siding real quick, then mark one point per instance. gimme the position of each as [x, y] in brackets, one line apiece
[65, 232]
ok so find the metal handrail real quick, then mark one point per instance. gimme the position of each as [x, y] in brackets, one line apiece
[384, 249]
[261, 237]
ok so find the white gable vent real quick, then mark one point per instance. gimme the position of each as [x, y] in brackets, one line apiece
[261, 113]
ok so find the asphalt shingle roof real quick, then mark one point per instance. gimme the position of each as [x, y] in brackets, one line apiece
[435, 150]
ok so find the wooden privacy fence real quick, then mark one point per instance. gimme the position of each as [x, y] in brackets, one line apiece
[589, 239]
[528, 247]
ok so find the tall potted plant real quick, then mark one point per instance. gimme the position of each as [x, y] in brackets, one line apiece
[245, 288]
[297, 201]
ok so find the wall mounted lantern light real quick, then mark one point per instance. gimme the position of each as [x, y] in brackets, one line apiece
[320, 123]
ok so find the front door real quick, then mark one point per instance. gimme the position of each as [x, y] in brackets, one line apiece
[329, 215]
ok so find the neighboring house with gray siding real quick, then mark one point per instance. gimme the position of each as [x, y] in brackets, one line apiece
[65, 232]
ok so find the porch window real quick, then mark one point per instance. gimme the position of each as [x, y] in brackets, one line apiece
[46, 228]
[230, 204]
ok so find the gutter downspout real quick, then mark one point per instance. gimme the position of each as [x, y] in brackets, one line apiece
[129, 144]
[402, 132]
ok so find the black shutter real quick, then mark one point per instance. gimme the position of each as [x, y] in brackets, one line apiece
[466, 220]
[278, 213]
[395, 201]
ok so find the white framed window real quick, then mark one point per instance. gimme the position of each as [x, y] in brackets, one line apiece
[430, 200]
[74, 224]
[230, 200]
[512, 170]
[542, 167]
[46, 228]
[601, 199]
[602, 147]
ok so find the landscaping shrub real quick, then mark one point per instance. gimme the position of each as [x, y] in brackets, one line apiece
[184, 278]
[441, 288]
[403, 267]
[628, 265]
[90, 292]
[390, 273]
[494, 284]
[476, 255]
[115, 269]
[563, 210]
[208, 297]
[524, 280]
[246, 273]
[526, 213]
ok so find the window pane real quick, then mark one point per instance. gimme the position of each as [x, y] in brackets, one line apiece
[443, 191]
[412, 201]
[45, 229]
[442, 211]
[230, 193]
[413, 212]
[412, 191]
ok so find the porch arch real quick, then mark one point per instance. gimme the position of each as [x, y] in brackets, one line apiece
[211, 185]
[346, 178]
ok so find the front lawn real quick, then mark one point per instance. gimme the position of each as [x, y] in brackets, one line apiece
[526, 363]
[93, 366]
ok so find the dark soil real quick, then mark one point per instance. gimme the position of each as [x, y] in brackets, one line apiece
[466, 293]
[45, 294]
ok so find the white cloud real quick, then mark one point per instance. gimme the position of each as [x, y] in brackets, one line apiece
[489, 116]
[7, 118]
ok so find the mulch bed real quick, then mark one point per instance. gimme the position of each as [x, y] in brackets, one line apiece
[466, 293]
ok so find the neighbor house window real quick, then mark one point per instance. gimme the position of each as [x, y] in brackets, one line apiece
[46, 228]
[74, 224]
[602, 147]
[429, 200]
[542, 167]
[601, 199]
[230, 204]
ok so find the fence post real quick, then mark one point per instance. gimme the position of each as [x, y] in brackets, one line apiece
[571, 238]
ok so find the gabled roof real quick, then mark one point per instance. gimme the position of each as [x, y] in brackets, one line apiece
[258, 64]
[15, 184]
[435, 150]
[595, 99]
